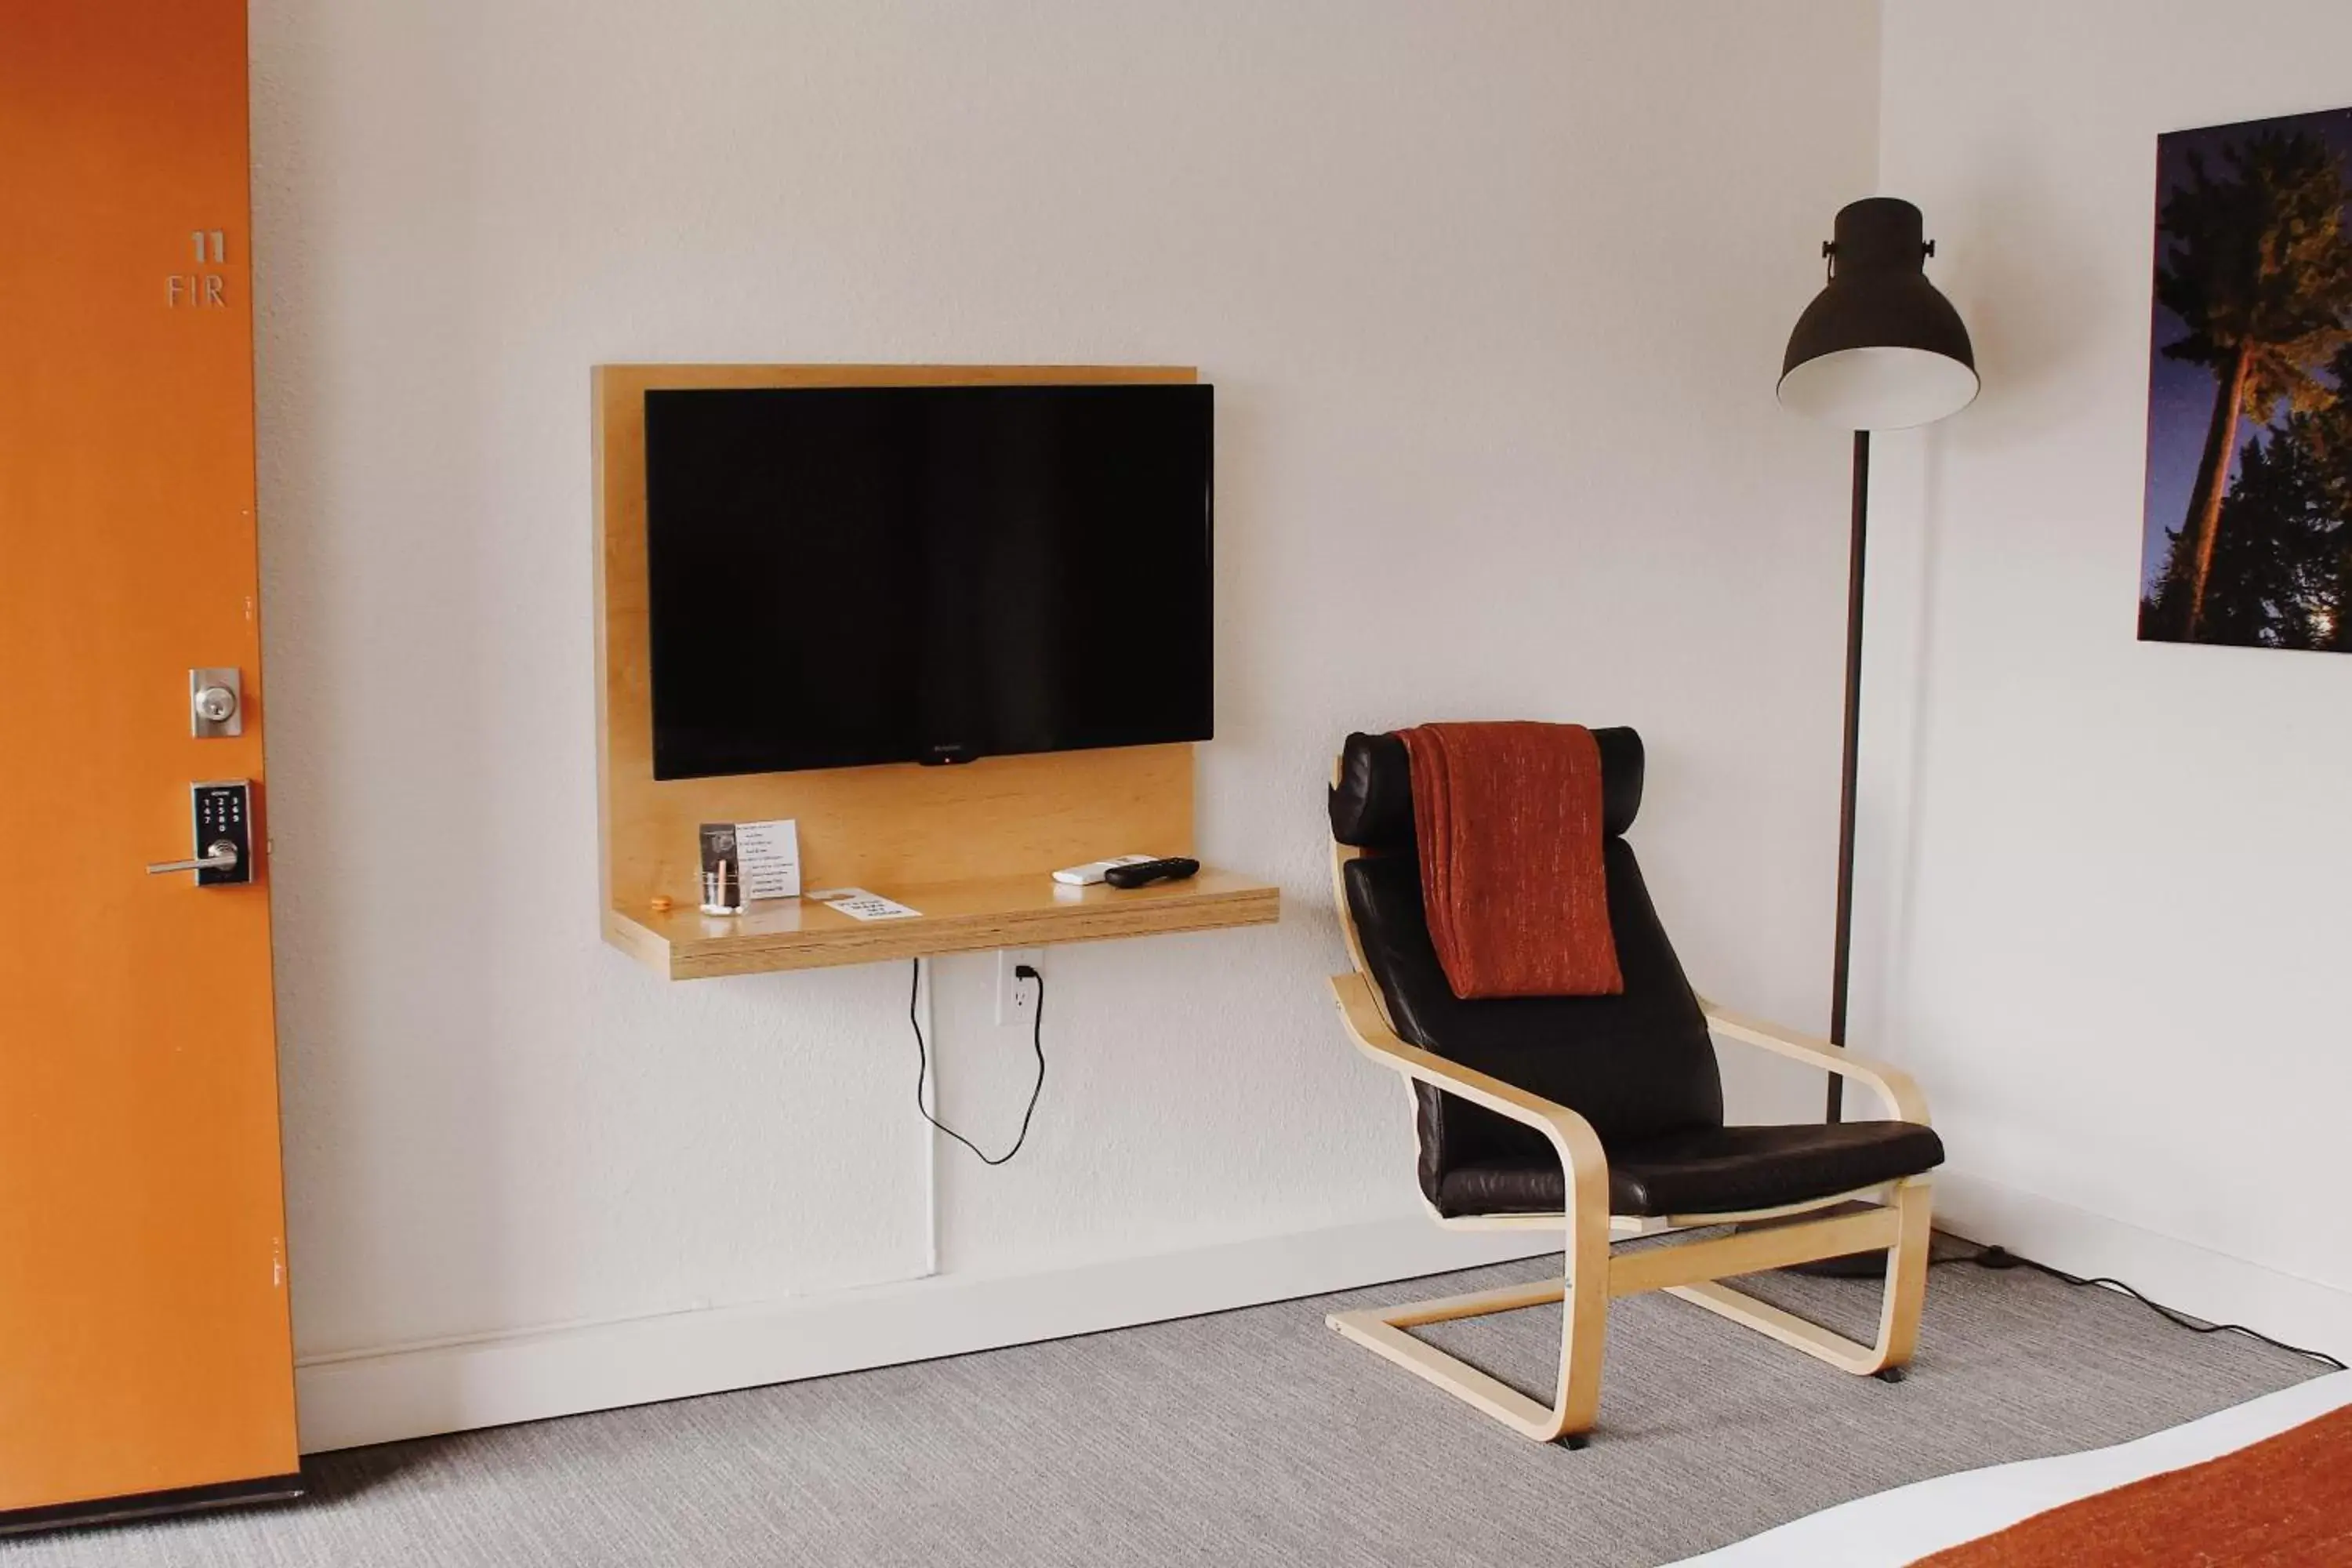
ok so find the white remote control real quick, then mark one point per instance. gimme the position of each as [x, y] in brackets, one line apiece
[1091, 873]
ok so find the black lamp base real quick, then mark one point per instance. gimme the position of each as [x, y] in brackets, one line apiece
[1870, 1265]
[1852, 1266]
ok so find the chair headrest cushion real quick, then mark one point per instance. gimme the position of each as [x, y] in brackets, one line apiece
[1372, 805]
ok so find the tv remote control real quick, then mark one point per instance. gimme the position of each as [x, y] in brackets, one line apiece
[1174, 869]
[1091, 873]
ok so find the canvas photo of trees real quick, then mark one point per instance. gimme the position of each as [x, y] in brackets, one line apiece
[2247, 533]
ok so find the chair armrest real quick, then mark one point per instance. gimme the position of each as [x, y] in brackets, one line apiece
[1893, 1084]
[1580, 1156]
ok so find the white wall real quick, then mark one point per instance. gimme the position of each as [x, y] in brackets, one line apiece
[1493, 296]
[2112, 873]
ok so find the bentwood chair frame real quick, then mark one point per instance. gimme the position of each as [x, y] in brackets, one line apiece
[1892, 1215]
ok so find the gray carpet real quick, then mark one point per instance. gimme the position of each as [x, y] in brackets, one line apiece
[1251, 1436]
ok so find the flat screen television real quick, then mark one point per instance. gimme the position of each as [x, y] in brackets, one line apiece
[849, 575]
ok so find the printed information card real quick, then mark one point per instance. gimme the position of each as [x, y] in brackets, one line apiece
[860, 905]
[742, 861]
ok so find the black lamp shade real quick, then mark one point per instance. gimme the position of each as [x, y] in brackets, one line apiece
[1880, 348]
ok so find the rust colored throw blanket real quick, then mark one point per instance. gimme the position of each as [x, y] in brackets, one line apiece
[1508, 820]
[2284, 1502]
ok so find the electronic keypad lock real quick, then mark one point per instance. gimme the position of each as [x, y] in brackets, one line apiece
[223, 814]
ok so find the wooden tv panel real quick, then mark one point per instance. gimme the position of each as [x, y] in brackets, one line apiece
[972, 846]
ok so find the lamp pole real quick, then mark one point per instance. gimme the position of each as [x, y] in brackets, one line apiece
[1841, 965]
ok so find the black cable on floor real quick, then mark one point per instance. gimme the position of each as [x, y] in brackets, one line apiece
[923, 1063]
[1999, 1258]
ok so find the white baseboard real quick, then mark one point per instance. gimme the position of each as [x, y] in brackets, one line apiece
[2194, 1279]
[379, 1396]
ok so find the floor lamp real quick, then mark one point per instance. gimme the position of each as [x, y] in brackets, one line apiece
[1878, 348]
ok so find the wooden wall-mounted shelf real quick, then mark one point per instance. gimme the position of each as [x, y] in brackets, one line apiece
[956, 917]
[972, 846]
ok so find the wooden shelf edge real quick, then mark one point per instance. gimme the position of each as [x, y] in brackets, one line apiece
[1225, 903]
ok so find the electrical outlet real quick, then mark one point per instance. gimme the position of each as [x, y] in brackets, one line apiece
[1016, 999]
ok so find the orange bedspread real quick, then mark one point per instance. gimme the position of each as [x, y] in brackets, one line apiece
[2284, 1502]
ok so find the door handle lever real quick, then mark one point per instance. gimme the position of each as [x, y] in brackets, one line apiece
[221, 857]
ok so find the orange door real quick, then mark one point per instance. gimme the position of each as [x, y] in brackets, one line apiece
[145, 1341]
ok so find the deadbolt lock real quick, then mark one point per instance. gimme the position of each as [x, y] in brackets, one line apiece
[216, 703]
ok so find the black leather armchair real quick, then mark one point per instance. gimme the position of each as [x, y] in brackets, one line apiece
[1604, 1115]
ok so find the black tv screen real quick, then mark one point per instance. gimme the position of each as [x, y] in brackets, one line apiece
[847, 575]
